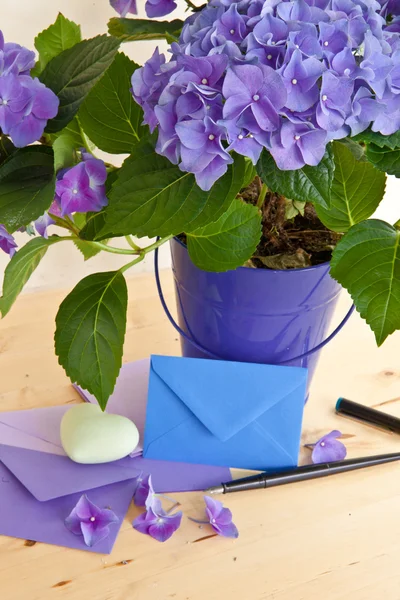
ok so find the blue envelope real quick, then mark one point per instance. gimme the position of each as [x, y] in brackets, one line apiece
[221, 413]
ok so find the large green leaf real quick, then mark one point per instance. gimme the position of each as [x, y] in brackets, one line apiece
[367, 263]
[109, 115]
[21, 267]
[372, 137]
[27, 185]
[90, 331]
[154, 197]
[130, 30]
[385, 159]
[62, 35]
[229, 242]
[357, 190]
[72, 74]
[309, 184]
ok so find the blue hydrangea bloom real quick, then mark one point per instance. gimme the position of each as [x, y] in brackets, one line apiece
[291, 76]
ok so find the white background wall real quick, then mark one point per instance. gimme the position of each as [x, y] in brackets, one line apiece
[20, 21]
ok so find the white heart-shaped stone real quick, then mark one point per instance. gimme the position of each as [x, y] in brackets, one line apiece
[90, 436]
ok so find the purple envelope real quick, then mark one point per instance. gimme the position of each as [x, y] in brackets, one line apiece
[39, 484]
[24, 516]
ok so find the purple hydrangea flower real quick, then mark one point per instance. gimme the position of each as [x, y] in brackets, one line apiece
[202, 151]
[259, 91]
[159, 8]
[81, 188]
[220, 518]
[42, 223]
[123, 7]
[7, 242]
[298, 144]
[89, 520]
[156, 522]
[293, 75]
[26, 104]
[43, 105]
[143, 490]
[328, 448]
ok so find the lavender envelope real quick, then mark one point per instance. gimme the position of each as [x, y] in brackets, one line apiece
[39, 485]
[23, 516]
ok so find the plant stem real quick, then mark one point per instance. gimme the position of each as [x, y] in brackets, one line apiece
[111, 249]
[132, 243]
[262, 195]
[145, 251]
[139, 252]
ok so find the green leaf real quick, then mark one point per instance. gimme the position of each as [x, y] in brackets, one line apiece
[384, 159]
[87, 249]
[367, 263]
[27, 185]
[109, 115]
[357, 191]
[65, 145]
[21, 267]
[309, 184]
[368, 136]
[356, 149]
[130, 30]
[72, 74]
[90, 331]
[62, 35]
[154, 197]
[229, 242]
[6, 148]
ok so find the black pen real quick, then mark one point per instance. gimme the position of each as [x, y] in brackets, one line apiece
[348, 408]
[266, 480]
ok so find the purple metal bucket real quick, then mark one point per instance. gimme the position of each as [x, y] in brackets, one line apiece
[253, 315]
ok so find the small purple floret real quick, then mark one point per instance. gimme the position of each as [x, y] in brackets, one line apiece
[220, 518]
[123, 7]
[7, 242]
[156, 522]
[89, 520]
[81, 188]
[328, 448]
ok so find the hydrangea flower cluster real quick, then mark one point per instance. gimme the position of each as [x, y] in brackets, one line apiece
[26, 104]
[286, 75]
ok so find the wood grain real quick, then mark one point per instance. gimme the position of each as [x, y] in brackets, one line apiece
[336, 538]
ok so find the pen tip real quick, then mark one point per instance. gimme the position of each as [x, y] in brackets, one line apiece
[218, 489]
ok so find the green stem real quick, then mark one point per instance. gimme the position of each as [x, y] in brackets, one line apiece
[111, 249]
[139, 252]
[262, 195]
[191, 5]
[132, 243]
[145, 251]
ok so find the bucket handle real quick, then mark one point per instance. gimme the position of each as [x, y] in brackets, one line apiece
[192, 341]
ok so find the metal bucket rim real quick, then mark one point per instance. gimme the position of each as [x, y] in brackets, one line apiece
[313, 268]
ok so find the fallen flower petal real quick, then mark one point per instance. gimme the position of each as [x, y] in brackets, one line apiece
[89, 520]
[328, 448]
[156, 522]
[220, 518]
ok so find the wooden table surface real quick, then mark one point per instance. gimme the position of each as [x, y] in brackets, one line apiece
[336, 538]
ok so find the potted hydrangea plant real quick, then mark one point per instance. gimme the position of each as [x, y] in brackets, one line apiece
[259, 148]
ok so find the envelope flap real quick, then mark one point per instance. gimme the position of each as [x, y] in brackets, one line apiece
[227, 396]
[49, 476]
